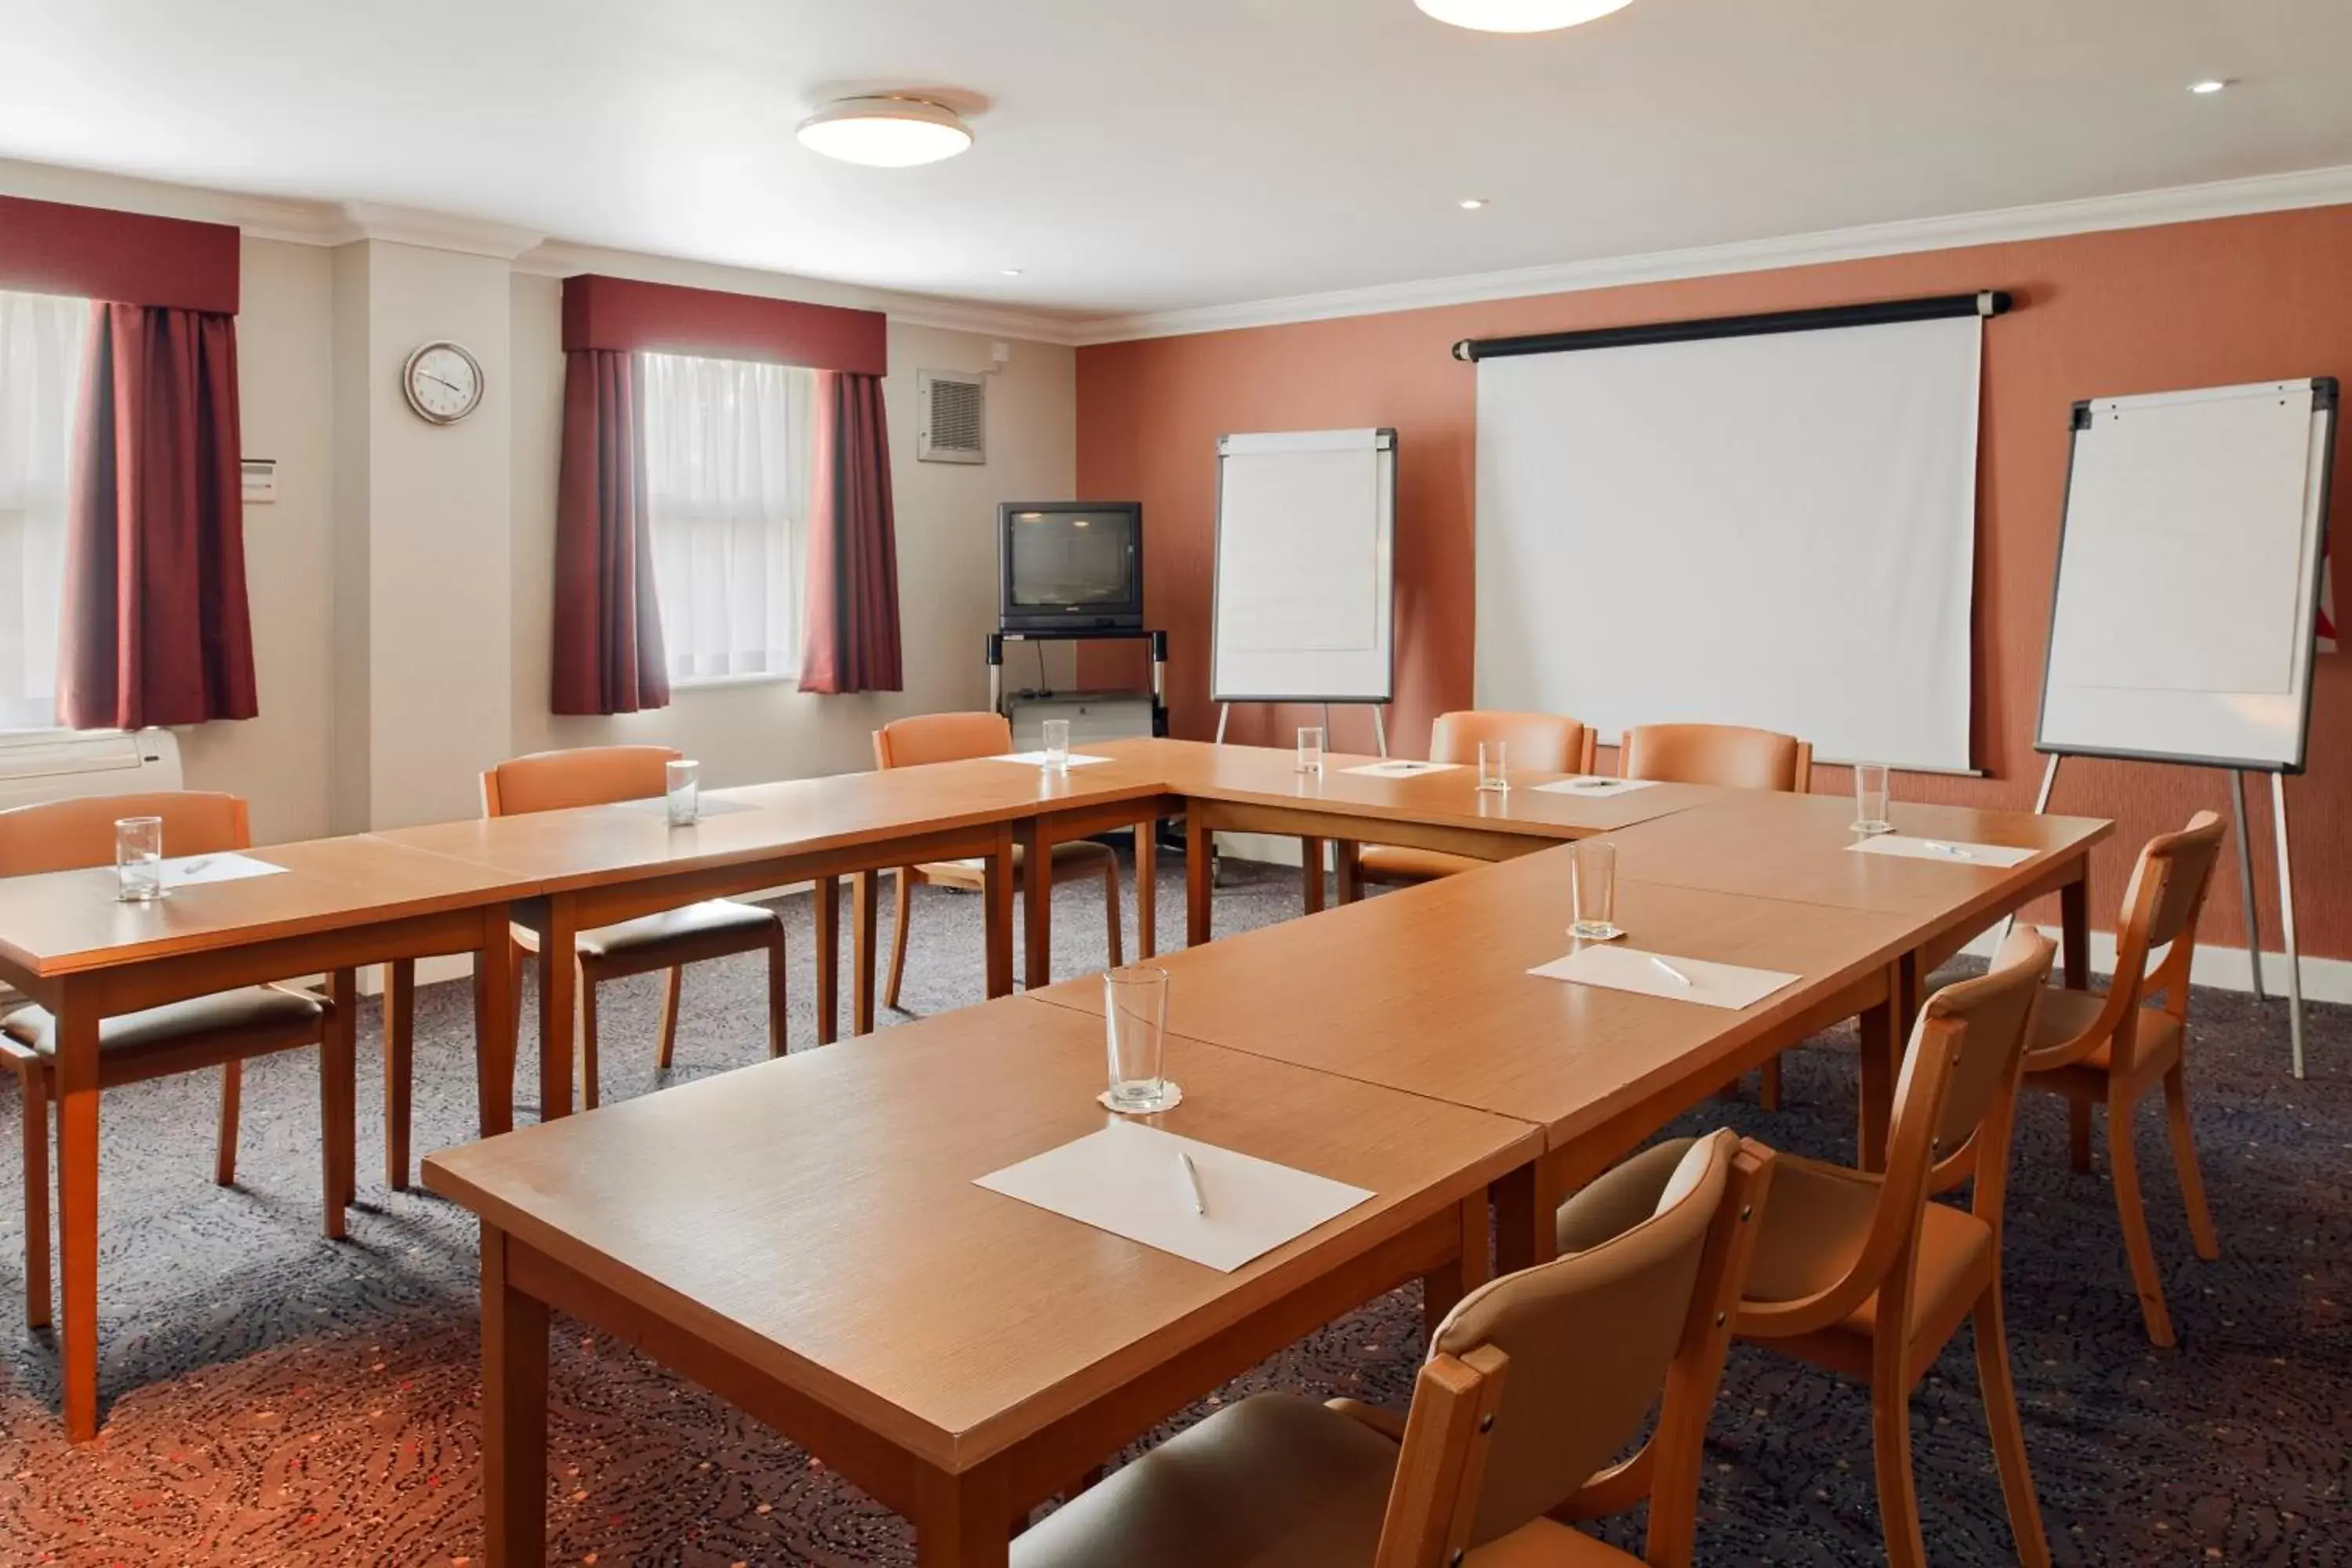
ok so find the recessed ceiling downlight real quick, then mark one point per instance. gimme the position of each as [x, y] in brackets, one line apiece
[886, 132]
[1519, 16]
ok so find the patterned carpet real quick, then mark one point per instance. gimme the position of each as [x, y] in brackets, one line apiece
[273, 1397]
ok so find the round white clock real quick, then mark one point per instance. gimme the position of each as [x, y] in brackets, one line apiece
[443, 382]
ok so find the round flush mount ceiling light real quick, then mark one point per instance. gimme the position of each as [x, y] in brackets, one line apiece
[886, 132]
[2209, 86]
[1519, 16]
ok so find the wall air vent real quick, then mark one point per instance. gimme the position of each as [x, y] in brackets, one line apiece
[951, 423]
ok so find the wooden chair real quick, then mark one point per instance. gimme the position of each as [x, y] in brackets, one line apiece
[2112, 1051]
[1534, 1383]
[716, 927]
[220, 1031]
[1538, 742]
[1862, 1274]
[953, 738]
[1730, 756]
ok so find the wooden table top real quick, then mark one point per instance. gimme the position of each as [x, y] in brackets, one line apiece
[63, 922]
[1426, 990]
[816, 1216]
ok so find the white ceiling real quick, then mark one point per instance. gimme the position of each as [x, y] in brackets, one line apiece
[1140, 156]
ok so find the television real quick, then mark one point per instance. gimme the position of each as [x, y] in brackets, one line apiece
[1070, 566]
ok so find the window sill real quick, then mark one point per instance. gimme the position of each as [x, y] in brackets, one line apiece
[714, 682]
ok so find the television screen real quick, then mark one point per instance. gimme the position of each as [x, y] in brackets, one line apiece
[1071, 565]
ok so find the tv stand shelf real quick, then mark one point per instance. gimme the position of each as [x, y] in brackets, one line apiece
[1157, 696]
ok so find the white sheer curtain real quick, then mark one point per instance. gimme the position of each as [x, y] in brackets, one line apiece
[727, 476]
[40, 377]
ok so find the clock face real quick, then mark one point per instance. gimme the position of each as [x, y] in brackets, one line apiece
[443, 381]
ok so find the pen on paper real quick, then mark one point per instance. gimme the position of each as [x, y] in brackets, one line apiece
[1669, 971]
[1947, 849]
[1192, 1181]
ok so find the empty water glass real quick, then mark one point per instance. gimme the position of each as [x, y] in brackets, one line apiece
[1592, 891]
[1870, 783]
[1135, 1024]
[1310, 749]
[139, 859]
[682, 788]
[1493, 773]
[1058, 744]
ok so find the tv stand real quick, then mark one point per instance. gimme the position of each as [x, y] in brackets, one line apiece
[1157, 696]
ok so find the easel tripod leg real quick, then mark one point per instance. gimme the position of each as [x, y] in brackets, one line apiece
[2246, 882]
[2287, 921]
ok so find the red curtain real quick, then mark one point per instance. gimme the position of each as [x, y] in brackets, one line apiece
[156, 628]
[608, 635]
[850, 639]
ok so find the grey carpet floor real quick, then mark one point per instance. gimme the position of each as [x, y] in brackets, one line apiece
[273, 1397]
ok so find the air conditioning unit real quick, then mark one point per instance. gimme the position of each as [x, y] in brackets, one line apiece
[57, 764]
[952, 416]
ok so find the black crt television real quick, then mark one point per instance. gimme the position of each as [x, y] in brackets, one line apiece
[1070, 566]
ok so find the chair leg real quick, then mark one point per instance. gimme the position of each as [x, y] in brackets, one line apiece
[901, 910]
[2078, 1135]
[518, 971]
[777, 1013]
[399, 1068]
[2184, 1156]
[588, 1087]
[1999, 1390]
[1111, 914]
[672, 993]
[232, 1093]
[1898, 1500]
[1767, 1085]
[339, 1115]
[2131, 1211]
[35, 1084]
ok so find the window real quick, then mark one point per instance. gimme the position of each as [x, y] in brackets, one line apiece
[727, 476]
[40, 374]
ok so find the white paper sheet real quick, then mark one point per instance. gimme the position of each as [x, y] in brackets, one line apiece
[1951, 851]
[707, 806]
[190, 871]
[1634, 969]
[1594, 785]
[1399, 768]
[1038, 759]
[1127, 1180]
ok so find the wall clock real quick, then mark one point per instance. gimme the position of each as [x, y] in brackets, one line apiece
[442, 381]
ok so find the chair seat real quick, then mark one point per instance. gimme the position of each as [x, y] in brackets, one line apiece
[2069, 1015]
[281, 1017]
[1398, 863]
[1073, 859]
[695, 923]
[1815, 1222]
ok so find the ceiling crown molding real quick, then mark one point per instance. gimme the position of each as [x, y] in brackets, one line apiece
[432, 231]
[2140, 209]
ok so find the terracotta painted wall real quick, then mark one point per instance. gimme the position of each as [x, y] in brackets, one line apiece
[2138, 311]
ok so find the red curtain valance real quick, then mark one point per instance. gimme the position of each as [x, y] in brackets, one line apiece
[123, 258]
[623, 314]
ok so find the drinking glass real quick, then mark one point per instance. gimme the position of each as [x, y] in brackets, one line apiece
[1135, 1024]
[1493, 773]
[1592, 891]
[1870, 798]
[139, 859]
[682, 787]
[1058, 744]
[1310, 749]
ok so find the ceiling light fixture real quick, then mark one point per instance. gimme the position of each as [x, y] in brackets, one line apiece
[1471, 204]
[1519, 16]
[2211, 84]
[1010, 271]
[886, 132]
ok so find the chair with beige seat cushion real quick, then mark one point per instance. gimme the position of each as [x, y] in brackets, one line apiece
[716, 927]
[1535, 1383]
[955, 737]
[220, 1031]
[1864, 1274]
[2111, 1050]
[1537, 743]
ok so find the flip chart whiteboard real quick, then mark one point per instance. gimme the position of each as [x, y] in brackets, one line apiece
[1305, 596]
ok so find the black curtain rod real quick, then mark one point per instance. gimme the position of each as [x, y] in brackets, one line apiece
[1989, 302]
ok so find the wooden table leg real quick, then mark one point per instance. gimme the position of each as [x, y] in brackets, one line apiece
[1441, 1288]
[1349, 868]
[963, 1522]
[77, 1082]
[828, 960]
[864, 891]
[514, 1413]
[1146, 887]
[338, 1099]
[1310, 869]
[399, 1066]
[1882, 1061]
[996, 893]
[559, 985]
[1037, 906]
[1199, 845]
[1524, 1231]
[2074, 920]
[494, 1026]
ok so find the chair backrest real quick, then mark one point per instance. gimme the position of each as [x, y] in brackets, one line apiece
[1538, 742]
[2162, 904]
[589, 776]
[941, 738]
[67, 835]
[1731, 755]
[1582, 1347]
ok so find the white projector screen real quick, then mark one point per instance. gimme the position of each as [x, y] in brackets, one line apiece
[1776, 531]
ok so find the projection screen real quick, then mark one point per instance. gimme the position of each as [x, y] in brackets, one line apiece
[1776, 531]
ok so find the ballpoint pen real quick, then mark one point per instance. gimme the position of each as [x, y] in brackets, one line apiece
[1669, 971]
[1947, 848]
[1193, 1181]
